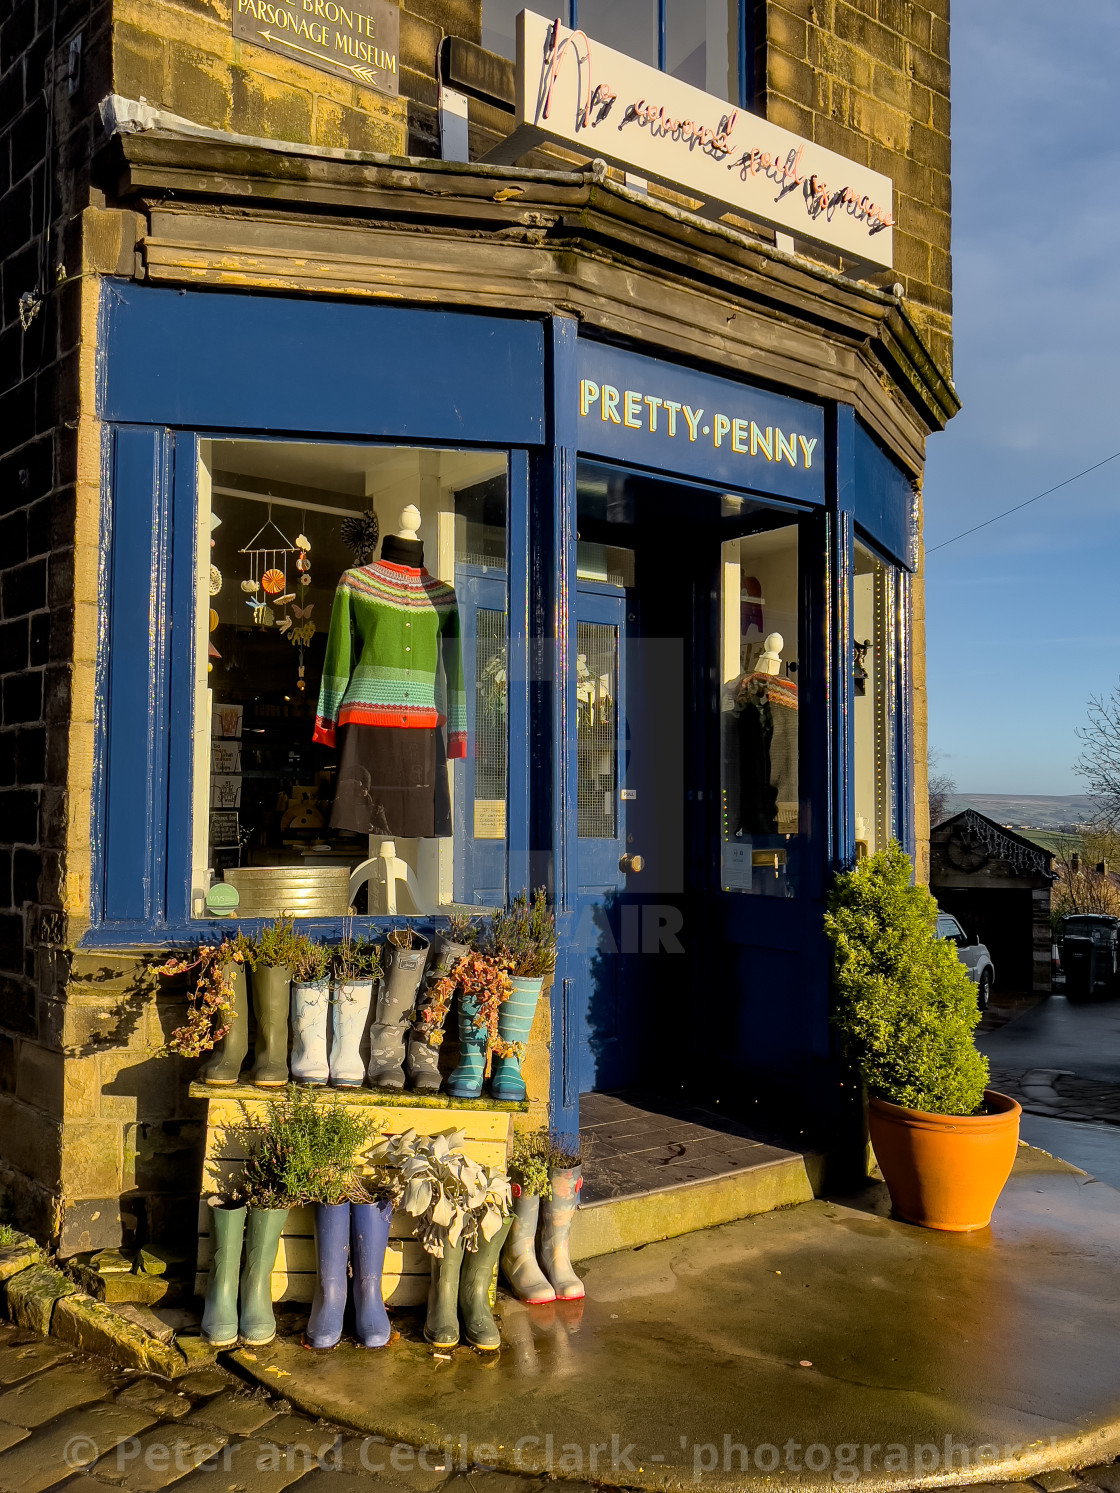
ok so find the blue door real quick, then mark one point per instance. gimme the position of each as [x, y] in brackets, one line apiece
[480, 779]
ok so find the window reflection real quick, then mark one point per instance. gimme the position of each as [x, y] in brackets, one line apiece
[701, 44]
[628, 26]
[871, 704]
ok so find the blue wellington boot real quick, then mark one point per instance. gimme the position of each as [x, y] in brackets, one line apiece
[263, 1228]
[369, 1234]
[332, 1254]
[219, 1314]
[515, 1021]
[466, 1081]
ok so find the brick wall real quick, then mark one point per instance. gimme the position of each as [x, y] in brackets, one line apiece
[870, 79]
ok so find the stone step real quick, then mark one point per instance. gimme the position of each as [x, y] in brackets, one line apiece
[776, 1181]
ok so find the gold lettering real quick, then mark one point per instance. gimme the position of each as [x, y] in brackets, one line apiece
[807, 450]
[631, 409]
[787, 450]
[610, 405]
[759, 442]
[653, 405]
[693, 418]
[739, 437]
[672, 410]
[720, 426]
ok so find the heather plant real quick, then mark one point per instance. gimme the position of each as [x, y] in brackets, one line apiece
[278, 943]
[306, 1151]
[311, 962]
[529, 1162]
[904, 1007]
[522, 937]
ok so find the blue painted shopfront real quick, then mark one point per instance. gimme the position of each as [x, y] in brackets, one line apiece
[615, 456]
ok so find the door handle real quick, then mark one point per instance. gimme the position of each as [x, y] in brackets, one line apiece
[631, 863]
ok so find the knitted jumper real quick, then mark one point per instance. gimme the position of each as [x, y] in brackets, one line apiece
[393, 655]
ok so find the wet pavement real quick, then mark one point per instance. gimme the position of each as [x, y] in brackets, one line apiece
[794, 1349]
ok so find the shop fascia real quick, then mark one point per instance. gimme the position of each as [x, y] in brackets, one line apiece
[571, 91]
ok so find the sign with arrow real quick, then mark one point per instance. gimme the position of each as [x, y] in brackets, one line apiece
[358, 40]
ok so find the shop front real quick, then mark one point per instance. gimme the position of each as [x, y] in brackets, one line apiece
[669, 682]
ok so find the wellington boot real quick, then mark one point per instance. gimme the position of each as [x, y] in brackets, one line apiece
[310, 1009]
[369, 1234]
[519, 1257]
[262, 1236]
[441, 1326]
[332, 1255]
[350, 1005]
[466, 1081]
[395, 1010]
[225, 1066]
[515, 1021]
[219, 1314]
[426, 1035]
[271, 983]
[557, 1213]
[475, 1280]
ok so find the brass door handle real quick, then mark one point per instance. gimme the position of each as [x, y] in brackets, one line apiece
[632, 864]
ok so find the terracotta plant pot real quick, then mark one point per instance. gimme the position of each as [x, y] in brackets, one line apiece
[945, 1171]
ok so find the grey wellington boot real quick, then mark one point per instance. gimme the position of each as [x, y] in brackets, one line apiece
[395, 1007]
[519, 1257]
[229, 1054]
[426, 1034]
[475, 1280]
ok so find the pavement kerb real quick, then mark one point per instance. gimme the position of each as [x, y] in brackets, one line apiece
[41, 1298]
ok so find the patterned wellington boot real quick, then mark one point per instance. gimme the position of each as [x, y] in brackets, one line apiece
[349, 1013]
[310, 1009]
[466, 1081]
[225, 1066]
[395, 1010]
[441, 1326]
[475, 1279]
[519, 1256]
[270, 1002]
[262, 1238]
[369, 1234]
[557, 1213]
[332, 1255]
[219, 1315]
[515, 1020]
[427, 1032]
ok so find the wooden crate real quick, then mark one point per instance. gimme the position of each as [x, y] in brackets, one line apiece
[489, 1129]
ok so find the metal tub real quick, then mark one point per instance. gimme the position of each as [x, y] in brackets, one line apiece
[301, 891]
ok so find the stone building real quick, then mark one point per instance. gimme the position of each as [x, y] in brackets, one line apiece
[263, 277]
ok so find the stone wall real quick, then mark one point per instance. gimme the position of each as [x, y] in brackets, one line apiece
[870, 79]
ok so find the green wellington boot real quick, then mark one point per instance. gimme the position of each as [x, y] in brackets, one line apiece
[441, 1327]
[262, 1238]
[271, 1002]
[219, 1314]
[225, 1066]
[475, 1279]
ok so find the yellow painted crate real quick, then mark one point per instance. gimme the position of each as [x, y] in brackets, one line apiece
[489, 1129]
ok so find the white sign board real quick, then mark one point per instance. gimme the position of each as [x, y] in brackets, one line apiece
[574, 92]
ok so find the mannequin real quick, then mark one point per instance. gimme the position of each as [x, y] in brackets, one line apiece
[760, 748]
[392, 696]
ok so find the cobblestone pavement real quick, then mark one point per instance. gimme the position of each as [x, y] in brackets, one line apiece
[76, 1423]
[1059, 1094]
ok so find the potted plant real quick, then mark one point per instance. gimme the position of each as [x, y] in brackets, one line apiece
[523, 943]
[434, 1002]
[274, 949]
[529, 1184]
[483, 988]
[207, 974]
[356, 964]
[906, 1011]
[407, 954]
[311, 997]
[224, 1068]
[462, 1213]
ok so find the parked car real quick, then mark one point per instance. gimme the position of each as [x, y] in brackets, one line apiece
[972, 954]
[1087, 943]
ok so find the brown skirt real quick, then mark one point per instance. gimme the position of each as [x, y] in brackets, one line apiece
[392, 781]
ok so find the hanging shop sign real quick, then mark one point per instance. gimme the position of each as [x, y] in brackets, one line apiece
[655, 414]
[359, 41]
[572, 91]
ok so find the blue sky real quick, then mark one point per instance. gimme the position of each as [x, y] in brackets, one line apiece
[1024, 617]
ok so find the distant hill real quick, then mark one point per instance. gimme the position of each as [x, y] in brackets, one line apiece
[1042, 811]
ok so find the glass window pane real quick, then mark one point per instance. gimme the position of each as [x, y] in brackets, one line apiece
[759, 713]
[499, 33]
[871, 704]
[350, 697]
[702, 44]
[596, 730]
[628, 26]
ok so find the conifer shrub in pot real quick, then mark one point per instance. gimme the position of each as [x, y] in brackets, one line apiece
[906, 1013]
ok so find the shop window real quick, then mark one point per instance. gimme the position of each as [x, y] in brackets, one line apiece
[350, 696]
[759, 714]
[597, 698]
[871, 703]
[627, 26]
[702, 43]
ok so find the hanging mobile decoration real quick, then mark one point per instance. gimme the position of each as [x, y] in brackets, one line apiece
[301, 635]
[215, 579]
[268, 552]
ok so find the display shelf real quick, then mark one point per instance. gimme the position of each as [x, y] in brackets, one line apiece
[374, 1098]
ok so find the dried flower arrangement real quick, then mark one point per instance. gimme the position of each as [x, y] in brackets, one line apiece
[208, 974]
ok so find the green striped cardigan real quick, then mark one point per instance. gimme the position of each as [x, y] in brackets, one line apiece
[393, 655]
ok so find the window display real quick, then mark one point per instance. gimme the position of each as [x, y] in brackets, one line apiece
[871, 703]
[759, 713]
[345, 675]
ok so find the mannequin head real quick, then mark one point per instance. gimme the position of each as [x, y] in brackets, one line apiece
[409, 523]
[403, 547]
[770, 660]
